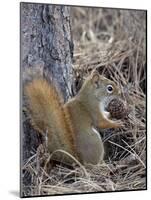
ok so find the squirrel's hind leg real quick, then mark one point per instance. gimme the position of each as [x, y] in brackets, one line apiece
[90, 146]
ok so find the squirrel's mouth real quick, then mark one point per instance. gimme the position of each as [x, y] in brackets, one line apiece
[103, 109]
[106, 102]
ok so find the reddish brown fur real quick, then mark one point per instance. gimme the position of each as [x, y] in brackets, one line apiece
[48, 114]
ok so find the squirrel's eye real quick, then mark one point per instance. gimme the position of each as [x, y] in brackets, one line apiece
[110, 89]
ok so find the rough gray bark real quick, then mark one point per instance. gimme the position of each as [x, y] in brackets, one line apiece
[46, 42]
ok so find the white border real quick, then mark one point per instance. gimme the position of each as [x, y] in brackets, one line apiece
[9, 98]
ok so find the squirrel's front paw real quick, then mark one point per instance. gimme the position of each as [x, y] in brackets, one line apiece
[118, 124]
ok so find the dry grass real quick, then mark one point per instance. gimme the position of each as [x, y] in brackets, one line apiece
[114, 42]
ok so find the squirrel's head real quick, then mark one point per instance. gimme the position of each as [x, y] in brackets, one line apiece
[100, 88]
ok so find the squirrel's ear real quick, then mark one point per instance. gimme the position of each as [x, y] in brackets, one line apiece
[95, 78]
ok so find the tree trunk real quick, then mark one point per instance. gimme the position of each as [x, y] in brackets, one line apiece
[46, 42]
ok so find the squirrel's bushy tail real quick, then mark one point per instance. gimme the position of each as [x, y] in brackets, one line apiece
[49, 116]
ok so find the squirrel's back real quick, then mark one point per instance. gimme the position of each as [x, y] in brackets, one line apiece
[49, 116]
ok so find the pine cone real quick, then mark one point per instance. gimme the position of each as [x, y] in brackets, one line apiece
[117, 109]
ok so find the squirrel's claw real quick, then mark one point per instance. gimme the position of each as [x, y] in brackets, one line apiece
[118, 123]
